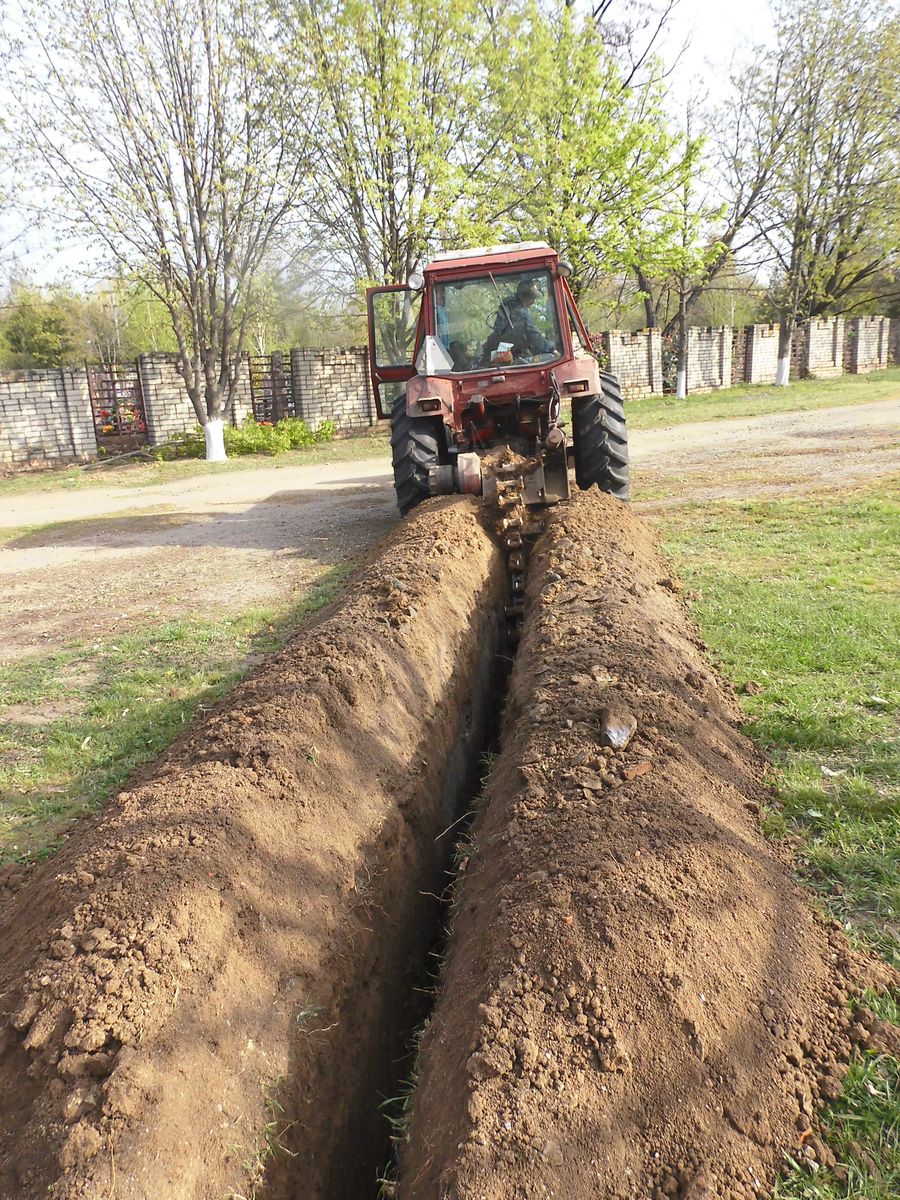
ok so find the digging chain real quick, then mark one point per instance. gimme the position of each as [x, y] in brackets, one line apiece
[516, 524]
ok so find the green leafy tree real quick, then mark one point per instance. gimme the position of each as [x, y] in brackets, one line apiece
[443, 127]
[593, 166]
[38, 330]
[400, 88]
[158, 127]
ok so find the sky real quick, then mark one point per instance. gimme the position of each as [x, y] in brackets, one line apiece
[718, 33]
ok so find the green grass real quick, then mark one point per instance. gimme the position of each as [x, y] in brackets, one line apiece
[112, 705]
[863, 1133]
[652, 412]
[802, 596]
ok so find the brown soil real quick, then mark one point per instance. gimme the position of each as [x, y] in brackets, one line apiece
[221, 962]
[638, 1000]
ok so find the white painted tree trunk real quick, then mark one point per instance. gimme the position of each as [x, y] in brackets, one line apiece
[681, 384]
[782, 371]
[214, 433]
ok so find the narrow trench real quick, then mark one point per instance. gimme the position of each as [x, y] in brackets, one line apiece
[367, 1091]
[395, 1111]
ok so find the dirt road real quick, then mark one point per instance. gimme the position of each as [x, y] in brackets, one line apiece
[234, 541]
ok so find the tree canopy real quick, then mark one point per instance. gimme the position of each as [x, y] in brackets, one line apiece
[251, 167]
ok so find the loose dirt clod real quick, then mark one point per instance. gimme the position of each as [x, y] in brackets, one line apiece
[220, 965]
[638, 1001]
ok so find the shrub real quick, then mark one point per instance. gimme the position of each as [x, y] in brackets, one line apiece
[253, 437]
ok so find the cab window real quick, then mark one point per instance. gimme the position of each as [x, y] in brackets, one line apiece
[507, 319]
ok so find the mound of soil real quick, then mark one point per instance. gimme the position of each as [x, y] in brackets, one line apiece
[638, 1000]
[220, 963]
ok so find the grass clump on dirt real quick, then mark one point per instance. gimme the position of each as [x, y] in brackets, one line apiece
[754, 400]
[75, 724]
[863, 1129]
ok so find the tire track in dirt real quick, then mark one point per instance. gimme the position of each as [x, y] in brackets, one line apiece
[223, 962]
[638, 1000]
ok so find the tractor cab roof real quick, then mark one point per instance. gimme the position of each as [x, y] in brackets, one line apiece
[494, 256]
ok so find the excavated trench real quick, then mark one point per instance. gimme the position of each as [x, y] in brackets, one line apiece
[213, 990]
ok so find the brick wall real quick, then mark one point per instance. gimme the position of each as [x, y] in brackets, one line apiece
[894, 342]
[45, 417]
[762, 354]
[636, 359]
[166, 403]
[866, 344]
[333, 385]
[708, 358]
[800, 345]
[824, 346]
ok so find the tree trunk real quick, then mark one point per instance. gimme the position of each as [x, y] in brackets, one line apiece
[649, 305]
[214, 434]
[785, 334]
[681, 372]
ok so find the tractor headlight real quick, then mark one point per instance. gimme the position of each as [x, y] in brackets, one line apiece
[564, 267]
[416, 281]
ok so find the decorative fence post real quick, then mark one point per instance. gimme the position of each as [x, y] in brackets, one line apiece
[279, 389]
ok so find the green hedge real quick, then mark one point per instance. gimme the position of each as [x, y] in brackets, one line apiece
[252, 438]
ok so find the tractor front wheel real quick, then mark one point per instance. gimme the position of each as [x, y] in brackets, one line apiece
[415, 445]
[600, 439]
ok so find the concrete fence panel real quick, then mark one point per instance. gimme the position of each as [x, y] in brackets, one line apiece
[709, 354]
[636, 359]
[45, 417]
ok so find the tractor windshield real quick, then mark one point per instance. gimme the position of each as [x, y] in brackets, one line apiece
[497, 320]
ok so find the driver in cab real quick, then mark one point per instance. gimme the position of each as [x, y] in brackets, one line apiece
[515, 324]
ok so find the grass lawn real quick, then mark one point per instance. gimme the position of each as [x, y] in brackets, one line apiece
[651, 412]
[75, 723]
[802, 596]
[749, 400]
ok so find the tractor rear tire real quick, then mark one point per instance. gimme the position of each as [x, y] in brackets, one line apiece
[415, 445]
[600, 439]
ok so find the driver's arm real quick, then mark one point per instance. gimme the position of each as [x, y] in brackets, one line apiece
[537, 343]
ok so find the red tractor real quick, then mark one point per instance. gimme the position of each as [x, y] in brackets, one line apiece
[471, 361]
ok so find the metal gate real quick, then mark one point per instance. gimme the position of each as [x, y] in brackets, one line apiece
[272, 387]
[117, 401]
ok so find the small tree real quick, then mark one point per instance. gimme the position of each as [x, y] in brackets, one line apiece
[156, 129]
[38, 329]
